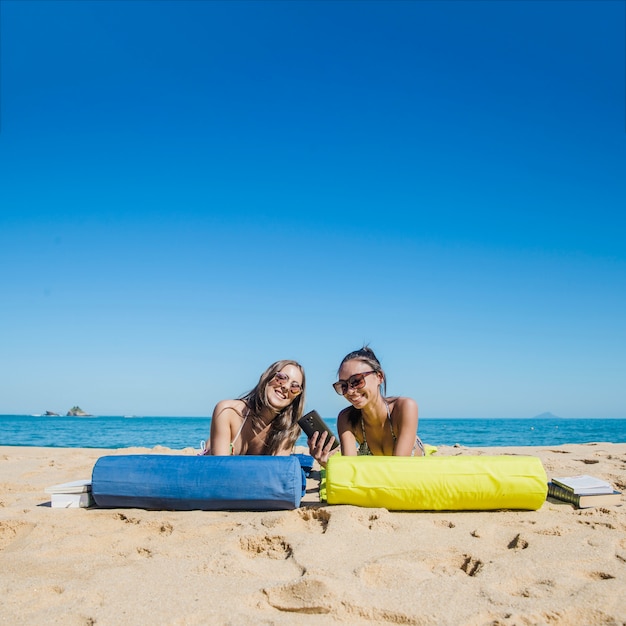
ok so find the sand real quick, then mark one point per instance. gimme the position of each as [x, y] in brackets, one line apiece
[319, 564]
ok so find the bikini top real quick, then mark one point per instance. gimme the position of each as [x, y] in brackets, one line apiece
[234, 441]
[364, 449]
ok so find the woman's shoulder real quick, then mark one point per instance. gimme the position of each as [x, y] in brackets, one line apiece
[344, 413]
[347, 417]
[227, 407]
[402, 403]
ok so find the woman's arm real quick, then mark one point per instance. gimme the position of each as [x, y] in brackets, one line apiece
[404, 421]
[346, 436]
[320, 445]
[222, 420]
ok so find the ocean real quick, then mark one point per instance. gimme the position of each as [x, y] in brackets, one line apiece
[183, 432]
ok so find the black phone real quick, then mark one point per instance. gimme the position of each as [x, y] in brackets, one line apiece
[312, 422]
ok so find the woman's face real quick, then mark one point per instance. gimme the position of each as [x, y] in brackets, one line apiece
[284, 387]
[359, 397]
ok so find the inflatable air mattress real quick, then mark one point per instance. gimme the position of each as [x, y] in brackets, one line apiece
[437, 483]
[184, 483]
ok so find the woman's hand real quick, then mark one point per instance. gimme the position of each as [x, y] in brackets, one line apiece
[320, 447]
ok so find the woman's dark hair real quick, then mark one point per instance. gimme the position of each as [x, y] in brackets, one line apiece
[285, 427]
[365, 354]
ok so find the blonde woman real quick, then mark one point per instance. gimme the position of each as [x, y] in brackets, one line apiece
[265, 420]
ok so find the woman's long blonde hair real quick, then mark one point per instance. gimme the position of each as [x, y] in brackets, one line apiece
[285, 427]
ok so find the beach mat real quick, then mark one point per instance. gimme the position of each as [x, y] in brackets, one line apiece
[306, 462]
[437, 483]
[208, 483]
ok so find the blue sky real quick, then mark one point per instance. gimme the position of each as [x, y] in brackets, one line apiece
[192, 190]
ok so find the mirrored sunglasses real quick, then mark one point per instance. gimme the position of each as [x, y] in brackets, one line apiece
[357, 381]
[282, 380]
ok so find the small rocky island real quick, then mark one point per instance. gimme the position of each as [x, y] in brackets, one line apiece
[547, 416]
[76, 411]
[51, 414]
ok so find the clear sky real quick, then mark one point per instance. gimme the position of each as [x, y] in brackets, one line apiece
[190, 191]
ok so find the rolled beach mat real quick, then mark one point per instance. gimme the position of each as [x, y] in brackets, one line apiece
[207, 483]
[477, 483]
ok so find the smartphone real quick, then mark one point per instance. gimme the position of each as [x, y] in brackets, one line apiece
[312, 422]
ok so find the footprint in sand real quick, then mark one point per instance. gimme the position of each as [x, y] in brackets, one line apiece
[313, 596]
[384, 572]
[271, 547]
[539, 589]
[517, 543]
[315, 518]
[308, 595]
[311, 518]
[444, 523]
[124, 518]
[145, 552]
[161, 527]
[373, 519]
[600, 576]
[471, 566]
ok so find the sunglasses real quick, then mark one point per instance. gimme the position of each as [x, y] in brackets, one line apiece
[357, 381]
[281, 380]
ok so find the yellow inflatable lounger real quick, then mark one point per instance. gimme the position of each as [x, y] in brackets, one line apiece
[455, 483]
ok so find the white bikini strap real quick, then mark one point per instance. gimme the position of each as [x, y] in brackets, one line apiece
[240, 429]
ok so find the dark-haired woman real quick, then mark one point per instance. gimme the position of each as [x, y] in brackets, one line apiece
[373, 424]
[265, 420]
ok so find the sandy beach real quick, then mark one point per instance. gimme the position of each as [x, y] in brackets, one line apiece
[318, 564]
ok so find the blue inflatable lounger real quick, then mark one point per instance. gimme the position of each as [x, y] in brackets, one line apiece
[207, 483]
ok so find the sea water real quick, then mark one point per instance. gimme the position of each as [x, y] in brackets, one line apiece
[184, 432]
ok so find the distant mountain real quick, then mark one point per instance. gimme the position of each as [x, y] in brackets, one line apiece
[547, 416]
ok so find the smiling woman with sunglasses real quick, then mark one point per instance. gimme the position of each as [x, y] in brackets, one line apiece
[373, 424]
[265, 420]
